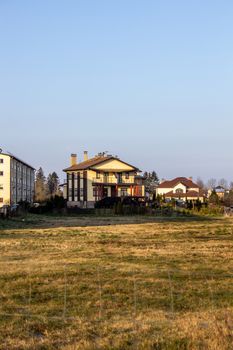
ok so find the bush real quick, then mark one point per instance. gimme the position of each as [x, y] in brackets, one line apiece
[54, 204]
[214, 199]
[212, 210]
[107, 203]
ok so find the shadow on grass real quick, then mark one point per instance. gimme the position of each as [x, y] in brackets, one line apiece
[35, 221]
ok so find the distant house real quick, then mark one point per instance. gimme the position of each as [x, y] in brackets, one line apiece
[220, 191]
[180, 188]
[101, 176]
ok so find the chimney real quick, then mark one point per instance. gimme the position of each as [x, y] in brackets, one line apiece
[73, 159]
[191, 178]
[85, 156]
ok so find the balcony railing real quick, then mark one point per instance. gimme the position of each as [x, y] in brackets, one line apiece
[105, 179]
[114, 180]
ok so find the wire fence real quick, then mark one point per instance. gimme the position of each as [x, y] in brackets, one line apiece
[112, 296]
[136, 295]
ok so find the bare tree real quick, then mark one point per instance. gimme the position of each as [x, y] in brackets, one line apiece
[228, 199]
[223, 183]
[211, 184]
[200, 183]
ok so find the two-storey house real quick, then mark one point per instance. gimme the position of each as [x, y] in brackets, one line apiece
[101, 176]
[180, 188]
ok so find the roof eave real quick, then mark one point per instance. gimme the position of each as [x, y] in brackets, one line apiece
[18, 159]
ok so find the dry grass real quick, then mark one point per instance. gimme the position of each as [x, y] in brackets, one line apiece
[131, 283]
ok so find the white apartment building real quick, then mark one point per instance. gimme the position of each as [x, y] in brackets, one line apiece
[16, 180]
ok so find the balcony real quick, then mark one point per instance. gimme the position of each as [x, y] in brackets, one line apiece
[120, 180]
[105, 180]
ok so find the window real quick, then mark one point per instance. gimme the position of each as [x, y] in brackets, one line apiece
[1, 160]
[1, 200]
[98, 175]
[127, 176]
[179, 190]
[1, 173]
[1, 187]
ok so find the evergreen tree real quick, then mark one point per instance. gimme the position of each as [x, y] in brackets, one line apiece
[52, 184]
[151, 182]
[214, 199]
[40, 186]
[198, 205]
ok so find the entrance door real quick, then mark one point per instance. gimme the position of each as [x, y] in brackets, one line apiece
[113, 191]
[105, 192]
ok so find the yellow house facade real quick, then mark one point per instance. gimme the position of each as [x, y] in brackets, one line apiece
[16, 180]
[100, 177]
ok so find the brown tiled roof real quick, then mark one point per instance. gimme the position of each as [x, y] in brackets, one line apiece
[88, 164]
[193, 194]
[172, 183]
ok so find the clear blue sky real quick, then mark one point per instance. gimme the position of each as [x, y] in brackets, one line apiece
[149, 80]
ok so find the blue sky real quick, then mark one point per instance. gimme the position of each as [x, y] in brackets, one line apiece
[150, 81]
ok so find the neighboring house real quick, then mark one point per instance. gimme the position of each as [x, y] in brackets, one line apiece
[99, 177]
[220, 191]
[16, 180]
[180, 188]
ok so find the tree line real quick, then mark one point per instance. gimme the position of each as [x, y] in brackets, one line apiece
[212, 183]
[46, 187]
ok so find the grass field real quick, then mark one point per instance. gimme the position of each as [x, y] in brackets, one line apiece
[116, 283]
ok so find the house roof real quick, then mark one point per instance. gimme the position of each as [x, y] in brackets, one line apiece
[220, 189]
[192, 194]
[92, 162]
[172, 183]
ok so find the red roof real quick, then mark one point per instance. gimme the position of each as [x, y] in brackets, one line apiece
[172, 183]
[193, 194]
